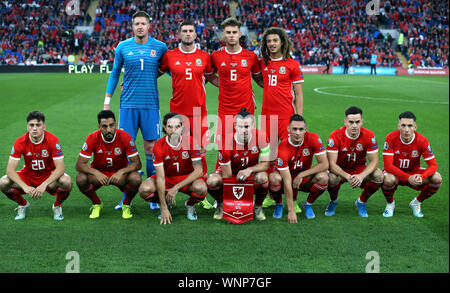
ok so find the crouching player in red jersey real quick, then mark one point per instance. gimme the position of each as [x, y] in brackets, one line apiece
[43, 169]
[401, 156]
[246, 156]
[111, 149]
[294, 170]
[178, 165]
[349, 147]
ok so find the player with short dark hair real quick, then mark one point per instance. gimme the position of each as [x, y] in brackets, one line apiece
[43, 168]
[111, 150]
[178, 169]
[349, 147]
[403, 149]
[294, 171]
[140, 57]
[188, 67]
[246, 156]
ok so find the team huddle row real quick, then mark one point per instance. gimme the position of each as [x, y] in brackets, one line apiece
[351, 155]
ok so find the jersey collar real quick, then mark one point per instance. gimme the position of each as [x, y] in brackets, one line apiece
[407, 143]
[277, 59]
[346, 133]
[239, 143]
[36, 143]
[186, 52]
[295, 145]
[174, 146]
[226, 50]
[115, 133]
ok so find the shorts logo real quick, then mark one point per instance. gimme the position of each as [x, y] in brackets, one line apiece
[414, 153]
[330, 142]
[84, 147]
[280, 162]
[244, 63]
[44, 153]
[152, 53]
[185, 155]
[359, 147]
[198, 62]
[238, 191]
[282, 70]
[117, 151]
[306, 152]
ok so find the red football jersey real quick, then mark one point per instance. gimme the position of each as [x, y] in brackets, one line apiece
[109, 156]
[279, 78]
[188, 82]
[177, 160]
[235, 79]
[299, 157]
[407, 155]
[242, 156]
[352, 152]
[38, 156]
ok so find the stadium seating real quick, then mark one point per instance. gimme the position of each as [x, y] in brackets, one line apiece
[40, 32]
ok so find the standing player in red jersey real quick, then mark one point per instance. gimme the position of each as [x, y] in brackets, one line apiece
[43, 169]
[294, 170]
[235, 67]
[283, 79]
[188, 67]
[178, 169]
[248, 155]
[401, 156]
[349, 147]
[111, 149]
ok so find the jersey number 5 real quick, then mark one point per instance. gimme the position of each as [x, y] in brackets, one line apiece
[188, 73]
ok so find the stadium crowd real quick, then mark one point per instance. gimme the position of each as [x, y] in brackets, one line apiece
[39, 32]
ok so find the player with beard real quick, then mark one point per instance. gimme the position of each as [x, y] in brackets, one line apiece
[111, 149]
[188, 67]
[178, 169]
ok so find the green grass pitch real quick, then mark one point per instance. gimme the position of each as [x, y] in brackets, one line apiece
[326, 244]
